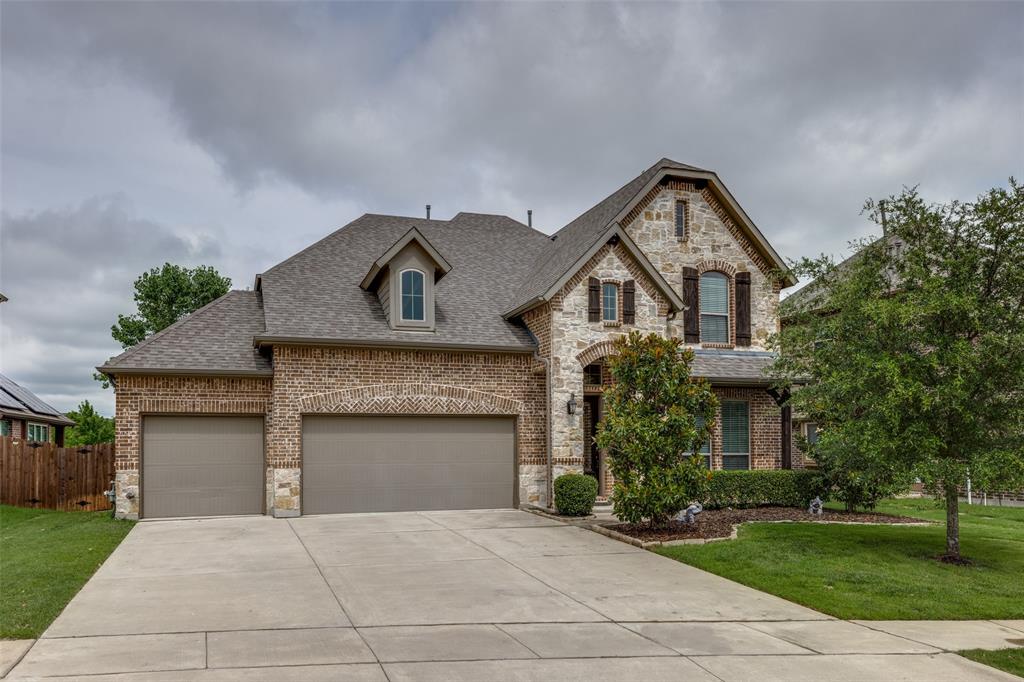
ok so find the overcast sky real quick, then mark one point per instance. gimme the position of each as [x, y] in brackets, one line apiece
[235, 134]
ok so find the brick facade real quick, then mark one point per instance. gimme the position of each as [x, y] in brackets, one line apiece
[318, 380]
[765, 429]
[139, 395]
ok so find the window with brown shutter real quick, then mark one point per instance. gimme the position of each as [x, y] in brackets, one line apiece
[691, 316]
[628, 302]
[594, 300]
[742, 308]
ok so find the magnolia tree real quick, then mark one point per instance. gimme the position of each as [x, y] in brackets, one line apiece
[910, 355]
[655, 416]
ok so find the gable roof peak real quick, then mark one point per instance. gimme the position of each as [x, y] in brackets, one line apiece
[441, 266]
[666, 162]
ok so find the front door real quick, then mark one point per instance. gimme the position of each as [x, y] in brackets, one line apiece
[592, 458]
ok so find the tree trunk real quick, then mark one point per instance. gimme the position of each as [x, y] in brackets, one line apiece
[952, 521]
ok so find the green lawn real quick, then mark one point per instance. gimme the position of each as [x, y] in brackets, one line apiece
[1010, 660]
[45, 558]
[880, 572]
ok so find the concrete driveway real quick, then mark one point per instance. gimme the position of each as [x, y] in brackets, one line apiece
[470, 595]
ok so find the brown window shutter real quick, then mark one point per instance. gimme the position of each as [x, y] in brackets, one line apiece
[628, 302]
[742, 308]
[691, 316]
[594, 300]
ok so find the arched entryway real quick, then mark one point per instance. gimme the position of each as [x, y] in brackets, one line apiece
[595, 379]
[594, 463]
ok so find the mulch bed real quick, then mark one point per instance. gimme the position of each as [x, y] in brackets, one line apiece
[718, 523]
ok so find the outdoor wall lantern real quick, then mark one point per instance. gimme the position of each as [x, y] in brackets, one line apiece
[571, 404]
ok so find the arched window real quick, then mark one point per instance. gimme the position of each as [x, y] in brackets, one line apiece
[413, 308]
[714, 308]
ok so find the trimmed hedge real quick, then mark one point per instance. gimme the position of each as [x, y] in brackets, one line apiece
[765, 488]
[575, 494]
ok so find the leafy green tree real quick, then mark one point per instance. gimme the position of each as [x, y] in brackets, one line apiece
[656, 415]
[90, 426]
[913, 349]
[163, 296]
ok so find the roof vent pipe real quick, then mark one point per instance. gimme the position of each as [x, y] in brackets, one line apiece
[529, 217]
[428, 211]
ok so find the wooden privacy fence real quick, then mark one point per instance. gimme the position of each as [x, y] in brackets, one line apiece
[45, 476]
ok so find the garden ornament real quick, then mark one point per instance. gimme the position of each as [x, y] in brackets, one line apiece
[816, 506]
[690, 513]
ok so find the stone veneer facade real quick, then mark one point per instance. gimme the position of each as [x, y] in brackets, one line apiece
[339, 380]
[712, 242]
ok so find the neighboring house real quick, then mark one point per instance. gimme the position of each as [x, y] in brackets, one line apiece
[405, 363]
[23, 415]
[813, 297]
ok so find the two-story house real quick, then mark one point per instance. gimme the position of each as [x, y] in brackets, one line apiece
[410, 364]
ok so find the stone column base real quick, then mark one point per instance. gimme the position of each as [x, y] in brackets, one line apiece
[126, 490]
[287, 494]
[533, 484]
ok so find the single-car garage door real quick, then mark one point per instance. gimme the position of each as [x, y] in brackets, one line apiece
[369, 464]
[202, 466]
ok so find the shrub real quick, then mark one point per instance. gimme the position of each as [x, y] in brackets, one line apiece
[575, 494]
[855, 479]
[769, 487]
[655, 416]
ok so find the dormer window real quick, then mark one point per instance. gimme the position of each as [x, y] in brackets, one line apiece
[405, 280]
[413, 296]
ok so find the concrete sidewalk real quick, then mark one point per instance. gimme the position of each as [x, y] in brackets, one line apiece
[455, 596]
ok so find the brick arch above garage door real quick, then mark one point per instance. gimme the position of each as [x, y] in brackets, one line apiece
[409, 398]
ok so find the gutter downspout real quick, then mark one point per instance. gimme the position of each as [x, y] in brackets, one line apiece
[549, 484]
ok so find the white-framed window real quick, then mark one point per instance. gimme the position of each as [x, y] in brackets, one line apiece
[680, 219]
[811, 433]
[413, 297]
[38, 432]
[735, 434]
[610, 302]
[714, 308]
[705, 449]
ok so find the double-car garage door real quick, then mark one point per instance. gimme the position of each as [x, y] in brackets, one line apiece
[376, 463]
[214, 465]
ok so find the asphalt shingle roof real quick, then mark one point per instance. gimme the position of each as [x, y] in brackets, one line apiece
[217, 337]
[723, 366]
[573, 240]
[316, 295]
[497, 265]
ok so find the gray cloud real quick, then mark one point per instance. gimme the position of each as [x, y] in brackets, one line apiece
[262, 126]
[67, 272]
